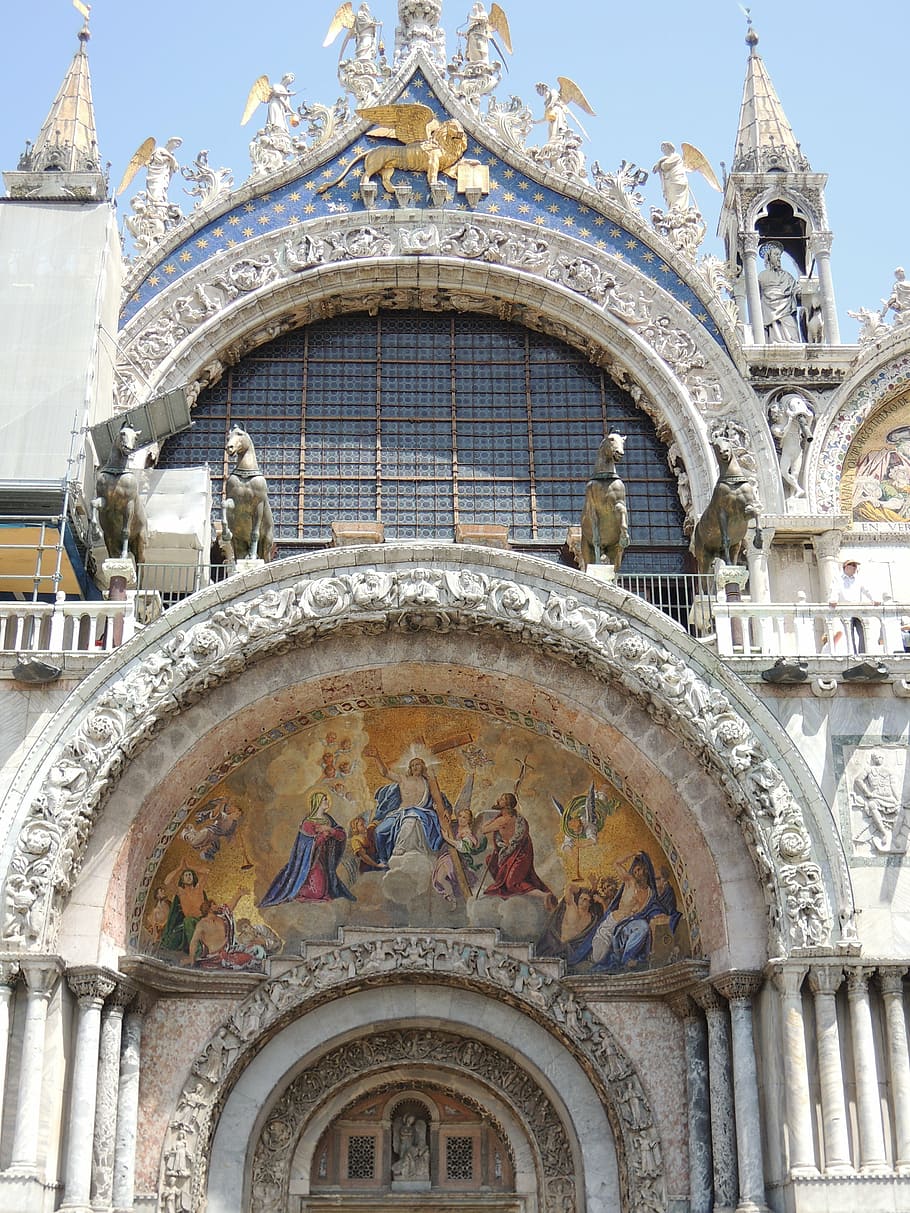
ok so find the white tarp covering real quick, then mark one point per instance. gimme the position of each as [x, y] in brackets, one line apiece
[59, 294]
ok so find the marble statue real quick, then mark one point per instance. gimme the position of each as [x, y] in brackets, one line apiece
[791, 420]
[877, 794]
[430, 146]
[361, 26]
[471, 71]
[409, 1143]
[246, 514]
[779, 298]
[117, 507]
[562, 150]
[153, 213]
[899, 299]
[276, 98]
[674, 168]
[604, 518]
[721, 531]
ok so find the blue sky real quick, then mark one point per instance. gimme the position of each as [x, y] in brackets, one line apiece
[663, 70]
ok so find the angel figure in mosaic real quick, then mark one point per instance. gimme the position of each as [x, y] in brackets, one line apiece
[430, 146]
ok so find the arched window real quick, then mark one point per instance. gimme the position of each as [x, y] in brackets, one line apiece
[422, 421]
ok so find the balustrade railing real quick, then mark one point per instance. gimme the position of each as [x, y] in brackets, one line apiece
[64, 627]
[809, 629]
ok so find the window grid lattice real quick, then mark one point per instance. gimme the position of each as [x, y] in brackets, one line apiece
[423, 421]
[459, 1159]
[361, 1157]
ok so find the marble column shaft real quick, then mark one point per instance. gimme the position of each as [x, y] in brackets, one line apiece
[820, 244]
[824, 982]
[701, 1172]
[9, 975]
[90, 987]
[738, 989]
[108, 1094]
[41, 977]
[796, 1072]
[720, 1077]
[753, 293]
[128, 1105]
[892, 987]
[872, 1155]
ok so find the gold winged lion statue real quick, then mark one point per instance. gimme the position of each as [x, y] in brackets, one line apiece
[430, 146]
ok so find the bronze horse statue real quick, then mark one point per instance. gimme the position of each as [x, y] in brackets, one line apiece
[117, 507]
[721, 531]
[604, 517]
[246, 514]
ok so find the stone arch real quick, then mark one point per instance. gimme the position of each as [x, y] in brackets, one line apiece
[616, 315]
[882, 373]
[470, 985]
[430, 588]
[801, 204]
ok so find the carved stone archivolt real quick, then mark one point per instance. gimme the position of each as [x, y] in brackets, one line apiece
[170, 665]
[408, 957]
[462, 1058]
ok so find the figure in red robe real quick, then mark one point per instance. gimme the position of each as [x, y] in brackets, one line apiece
[511, 865]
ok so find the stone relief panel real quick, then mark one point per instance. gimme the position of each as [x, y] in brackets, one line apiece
[470, 964]
[426, 815]
[874, 795]
[169, 669]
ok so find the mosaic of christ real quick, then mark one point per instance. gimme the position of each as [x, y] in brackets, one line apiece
[418, 816]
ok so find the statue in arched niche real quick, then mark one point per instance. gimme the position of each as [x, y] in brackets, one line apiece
[779, 298]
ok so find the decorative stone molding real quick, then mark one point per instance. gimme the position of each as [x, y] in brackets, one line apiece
[287, 1121]
[90, 985]
[739, 986]
[407, 956]
[170, 666]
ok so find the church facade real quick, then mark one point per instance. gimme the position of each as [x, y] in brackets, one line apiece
[466, 768]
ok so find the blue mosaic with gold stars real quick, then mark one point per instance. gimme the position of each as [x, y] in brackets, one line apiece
[512, 195]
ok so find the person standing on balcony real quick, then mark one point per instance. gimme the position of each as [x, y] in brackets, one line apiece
[849, 589]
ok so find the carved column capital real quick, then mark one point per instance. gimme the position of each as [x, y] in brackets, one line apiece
[682, 1005]
[9, 973]
[90, 985]
[789, 979]
[123, 995]
[858, 981]
[41, 974]
[891, 981]
[820, 242]
[739, 986]
[825, 979]
[827, 544]
[708, 998]
[748, 243]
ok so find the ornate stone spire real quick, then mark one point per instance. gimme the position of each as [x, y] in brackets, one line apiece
[419, 29]
[765, 141]
[63, 162]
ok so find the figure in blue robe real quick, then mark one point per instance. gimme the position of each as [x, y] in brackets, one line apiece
[309, 874]
[410, 799]
[623, 937]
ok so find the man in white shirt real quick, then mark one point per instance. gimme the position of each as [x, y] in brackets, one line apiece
[848, 589]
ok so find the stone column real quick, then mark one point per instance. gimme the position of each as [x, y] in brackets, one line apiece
[796, 1072]
[720, 1075]
[820, 246]
[699, 1104]
[749, 248]
[128, 1104]
[827, 550]
[824, 982]
[872, 1155]
[9, 975]
[41, 976]
[91, 987]
[891, 982]
[108, 1093]
[739, 989]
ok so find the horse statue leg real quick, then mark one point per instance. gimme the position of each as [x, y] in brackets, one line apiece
[227, 513]
[254, 532]
[127, 528]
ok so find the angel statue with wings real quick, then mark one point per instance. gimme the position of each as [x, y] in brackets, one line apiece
[409, 1142]
[277, 97]
[673, 170]
[681, 224]
[361, 75]
[153, 214]
[430, 146]
[562, 150]
[472, 73]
